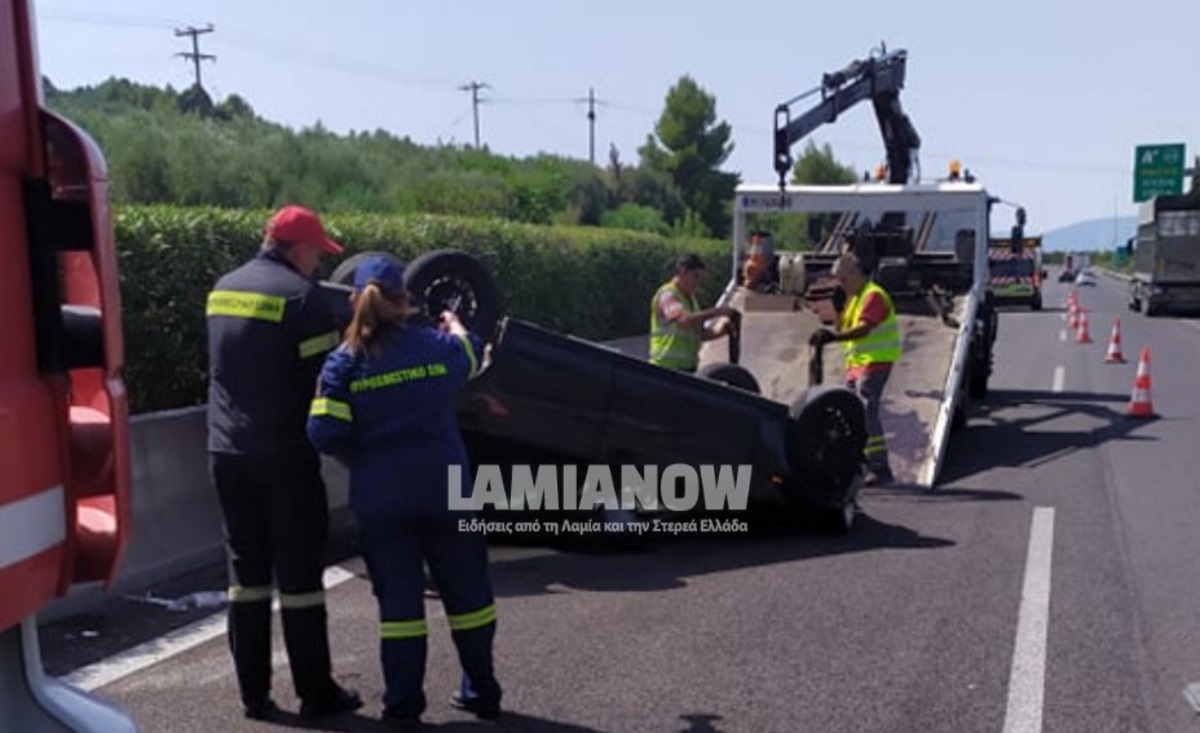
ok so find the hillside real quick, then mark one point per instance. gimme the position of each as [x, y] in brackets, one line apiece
[1090, 235]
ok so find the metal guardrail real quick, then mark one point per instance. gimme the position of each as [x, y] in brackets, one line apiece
[1113, 274]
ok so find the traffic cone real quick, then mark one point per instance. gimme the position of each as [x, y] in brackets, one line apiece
[1082, 336]
[1114, 355]
[1139, 402]
[1073, 315]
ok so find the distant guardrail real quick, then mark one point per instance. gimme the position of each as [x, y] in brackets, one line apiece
[1113, 274]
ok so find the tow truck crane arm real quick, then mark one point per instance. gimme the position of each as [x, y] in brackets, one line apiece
[878, 78]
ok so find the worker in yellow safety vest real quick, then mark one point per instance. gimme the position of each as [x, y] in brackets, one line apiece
[871, 334]
[677, 323]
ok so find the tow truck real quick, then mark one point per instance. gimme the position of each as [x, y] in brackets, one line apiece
[926, 243]
[64, 454]
[542, 397]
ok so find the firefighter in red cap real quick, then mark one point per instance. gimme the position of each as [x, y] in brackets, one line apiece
[269, 328]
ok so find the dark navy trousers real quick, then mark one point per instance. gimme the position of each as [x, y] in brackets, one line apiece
[396, 546]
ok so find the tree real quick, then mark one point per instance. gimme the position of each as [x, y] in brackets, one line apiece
[690, 146]
[819, 167]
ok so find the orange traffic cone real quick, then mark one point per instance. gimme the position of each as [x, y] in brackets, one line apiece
[1139, 402]
[1082, 336]
[1073, 315]
[1114, 355]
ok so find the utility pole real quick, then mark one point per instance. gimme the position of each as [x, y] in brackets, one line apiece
[474, 87]
[591, 115]
[195, 56]
[591, 126]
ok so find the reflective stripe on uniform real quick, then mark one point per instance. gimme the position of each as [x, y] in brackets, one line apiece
[302, 600]
[332, 408]
[473, 620]
[318, 344]
[399, 376]
[413, 629]
[875, 444]
[240, 304]
[466, 342]
[249, 594]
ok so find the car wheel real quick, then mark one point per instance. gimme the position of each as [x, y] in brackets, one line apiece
[343, 274]
[453, 280]
[827, 432]
[730, 374]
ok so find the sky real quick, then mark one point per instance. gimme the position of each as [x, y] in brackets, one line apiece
[1044, 102]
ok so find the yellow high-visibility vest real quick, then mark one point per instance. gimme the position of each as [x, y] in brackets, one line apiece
[671, 346]
[882, 344]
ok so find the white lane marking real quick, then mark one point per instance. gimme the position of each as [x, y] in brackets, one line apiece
[1059, 375]
[1062, 335]
[1027, 682]
[107, 671]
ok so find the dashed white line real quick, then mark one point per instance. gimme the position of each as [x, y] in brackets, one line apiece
[1062, 335]
[1027, 682]
[1059, 375]
[154, 651]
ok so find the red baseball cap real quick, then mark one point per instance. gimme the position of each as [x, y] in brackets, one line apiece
[298, 224]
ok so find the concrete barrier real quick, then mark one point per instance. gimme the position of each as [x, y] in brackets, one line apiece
[176, 516]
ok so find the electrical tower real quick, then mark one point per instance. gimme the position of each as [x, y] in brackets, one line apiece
[195, 56]
[474, 87]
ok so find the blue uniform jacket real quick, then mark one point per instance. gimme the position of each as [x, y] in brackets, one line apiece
[391, 418]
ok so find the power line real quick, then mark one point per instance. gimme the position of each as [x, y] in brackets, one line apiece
[473, 87]
[195, 56]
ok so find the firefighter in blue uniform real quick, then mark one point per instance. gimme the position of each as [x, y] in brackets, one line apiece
[268, 330]
[385, 404]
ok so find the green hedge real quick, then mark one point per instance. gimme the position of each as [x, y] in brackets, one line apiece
[592, 282]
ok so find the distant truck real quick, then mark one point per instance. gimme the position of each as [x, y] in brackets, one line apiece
[1015, 273]
[1166, 257]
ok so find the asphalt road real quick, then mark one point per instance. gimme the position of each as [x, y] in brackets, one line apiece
[1049, 584]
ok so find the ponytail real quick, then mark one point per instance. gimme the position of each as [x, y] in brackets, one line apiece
[375, 312]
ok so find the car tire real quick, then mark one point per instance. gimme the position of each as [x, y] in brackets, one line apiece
[437, 278]
[730, 374]
[343, 274]
[827, 433]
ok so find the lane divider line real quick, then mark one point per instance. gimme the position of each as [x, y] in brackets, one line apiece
[1027, 682]
[121, 665]
[1059, 377]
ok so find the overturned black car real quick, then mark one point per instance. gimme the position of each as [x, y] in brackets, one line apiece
[542, 398]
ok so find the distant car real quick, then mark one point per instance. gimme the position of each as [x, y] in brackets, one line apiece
[1085, 278]
[1066, 276]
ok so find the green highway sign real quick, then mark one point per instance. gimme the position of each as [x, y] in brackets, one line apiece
[1157, 171]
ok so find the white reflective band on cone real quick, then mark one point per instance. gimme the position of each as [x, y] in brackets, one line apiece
[31, 525]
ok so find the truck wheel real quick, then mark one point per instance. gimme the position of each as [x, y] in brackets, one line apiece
[1037, 303]
[730, 374]
[958, 421]
[827, 432]
[454, 280]
[977, 384]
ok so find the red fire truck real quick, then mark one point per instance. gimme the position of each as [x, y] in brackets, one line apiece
[64, 457]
